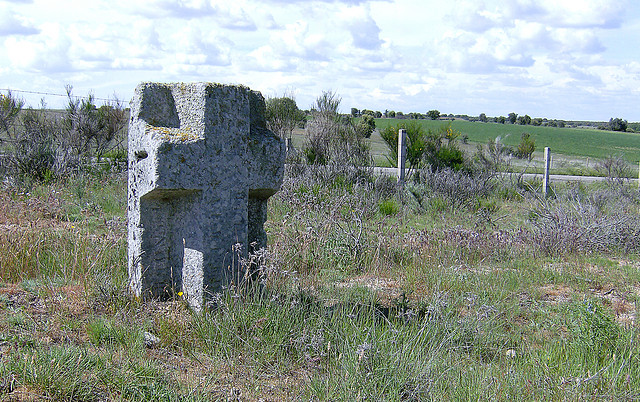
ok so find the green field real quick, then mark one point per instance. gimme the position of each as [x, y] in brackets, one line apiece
[576, 150]
[590, 143]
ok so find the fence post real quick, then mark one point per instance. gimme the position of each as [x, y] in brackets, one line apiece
[547, 163]
[402, 153]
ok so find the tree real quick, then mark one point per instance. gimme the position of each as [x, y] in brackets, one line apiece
[524, 120]
[366, 125]
[501, 119]
[526, 147]
[617, 124]
[482, 117]
[355, 112]
[513, 117]
[283, 116]
[391, 114]
[433, 114]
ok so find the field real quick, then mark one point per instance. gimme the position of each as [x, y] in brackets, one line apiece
[449, 289]
[575, 151]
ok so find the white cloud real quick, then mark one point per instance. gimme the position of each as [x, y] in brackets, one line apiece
[488, 56]
[365, 33]
[45, 52]
[12, 24]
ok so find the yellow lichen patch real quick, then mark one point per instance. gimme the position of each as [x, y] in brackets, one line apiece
[185, 134]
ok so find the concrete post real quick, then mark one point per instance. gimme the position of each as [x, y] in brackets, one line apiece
[547, 166]
[402, 153]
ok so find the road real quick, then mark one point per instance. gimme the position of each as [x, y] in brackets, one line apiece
[528, 176]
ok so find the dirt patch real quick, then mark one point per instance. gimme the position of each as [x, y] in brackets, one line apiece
[556, 294]
[624, 311]
[385, 288]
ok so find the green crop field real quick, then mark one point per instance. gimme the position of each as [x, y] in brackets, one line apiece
[566, 141]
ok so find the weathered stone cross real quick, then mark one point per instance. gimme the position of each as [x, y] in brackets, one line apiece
[202, 165]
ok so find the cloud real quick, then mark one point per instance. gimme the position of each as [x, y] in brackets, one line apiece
[46, 52]
[184, 9]
[290, 48]
[365, 33]
[11, 24]
[190, 46]
[229, 16]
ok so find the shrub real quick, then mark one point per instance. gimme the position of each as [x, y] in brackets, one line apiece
[365, 126]
[388, 207]
[332, 139]
[45, 144]
[614, 168]
[526, 147]
[437, 149]
[33, 153]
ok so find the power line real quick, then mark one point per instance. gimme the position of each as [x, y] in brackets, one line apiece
[52, 94]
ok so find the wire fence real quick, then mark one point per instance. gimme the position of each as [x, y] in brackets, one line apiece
[24, 91]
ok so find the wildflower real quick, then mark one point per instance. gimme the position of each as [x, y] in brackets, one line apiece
[180, 294]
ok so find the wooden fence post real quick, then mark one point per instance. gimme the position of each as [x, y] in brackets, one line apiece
[402, 153]
[547, 165]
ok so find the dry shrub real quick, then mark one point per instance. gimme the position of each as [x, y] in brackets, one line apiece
[604, 221]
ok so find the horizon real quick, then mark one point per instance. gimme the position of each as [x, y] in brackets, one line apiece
[560, 60]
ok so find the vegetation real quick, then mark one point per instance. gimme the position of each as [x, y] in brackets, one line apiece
[283, 115]
[567, 141]
[460, 285]
[333, 139]
[526, 148]
[457, 287]
[42, 145]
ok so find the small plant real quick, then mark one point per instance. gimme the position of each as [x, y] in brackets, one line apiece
[388, 207]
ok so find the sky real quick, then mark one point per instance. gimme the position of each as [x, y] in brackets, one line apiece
[558, 59]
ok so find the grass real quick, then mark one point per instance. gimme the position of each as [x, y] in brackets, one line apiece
[575, 151]
[370, 292]
[590, 143]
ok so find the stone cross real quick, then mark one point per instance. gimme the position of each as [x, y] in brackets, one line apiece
[202, 165]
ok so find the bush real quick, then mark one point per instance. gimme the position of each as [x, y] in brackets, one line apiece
[365, 126]
[437, 149]
[332, 139]
[34, 153]
[45, 144]
[526, 147]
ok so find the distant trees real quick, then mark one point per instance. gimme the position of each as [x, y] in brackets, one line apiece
[283, 116]
[433, 114]
[617, 124]
[513, 117]
[524, 120]
[501, 119]
[482, 117]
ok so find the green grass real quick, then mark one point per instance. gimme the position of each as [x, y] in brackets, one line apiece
[369, 294]
[590, 143]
